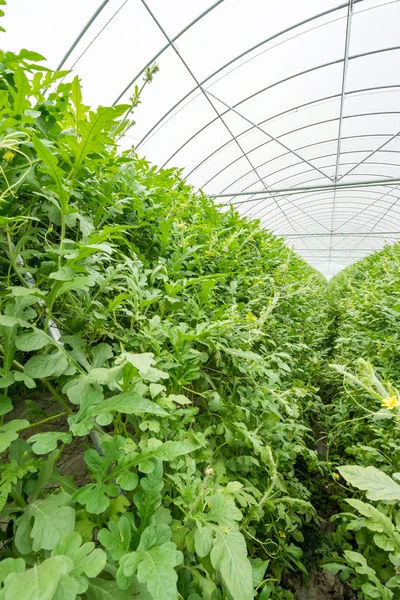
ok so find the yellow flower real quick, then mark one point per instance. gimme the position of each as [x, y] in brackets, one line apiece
[282, 534]
[336, 475]
[390, 402]
[250, 318]
[8, 156]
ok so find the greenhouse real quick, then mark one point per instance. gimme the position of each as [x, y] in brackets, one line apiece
[199, 300]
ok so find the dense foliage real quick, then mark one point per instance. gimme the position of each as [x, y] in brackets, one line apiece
[363, 422]
[173, 348]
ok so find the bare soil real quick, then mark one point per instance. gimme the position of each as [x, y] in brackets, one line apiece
[322, 586]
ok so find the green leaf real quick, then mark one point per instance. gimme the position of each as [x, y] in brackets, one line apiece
[376, 483]
[44, 523]
[223, 511]
[360, 565]
[259, 567]
[101, 353]
[130, 403]
[376, 520]
[157, 571]
[5, 405]
[105, 375]
[22, 92]
[247, 354]
[179, 399]
[63, 274]
[45, 474]
[15, 376]
[9, 432]
[142, 362]
[128, 480]
[6, 321]
[47, 442]
[101, 589]
[117, 538]
[92, 134]
[149, 497]
[32, 340]
[11, 565]
[46, 365]
[48, 157]
[154, 535]
[156, 568]
[167, 451]
[229, 557]
[95, 496]
[38, 583]
[87, 561]
[203, 539]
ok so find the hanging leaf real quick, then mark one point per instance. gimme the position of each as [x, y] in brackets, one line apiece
[130, 403]
[376, 483]
[32, 340]
[203, 540]
[46, 365]
[229, 557]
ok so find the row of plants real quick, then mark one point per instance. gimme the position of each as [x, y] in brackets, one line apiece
[362, 421]
[172, 347]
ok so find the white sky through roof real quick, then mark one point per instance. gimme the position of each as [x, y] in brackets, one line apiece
[296, 101]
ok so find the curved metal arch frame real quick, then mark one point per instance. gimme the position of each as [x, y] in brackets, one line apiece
[271, 86]
[318, 202]
[278, 115]
[294, 188]
[270, 174]
[315, 124]
[297, 175]
[354, 218]
[358, 221]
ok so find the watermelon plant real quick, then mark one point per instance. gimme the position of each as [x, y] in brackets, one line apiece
[365, 302]
[159, 370]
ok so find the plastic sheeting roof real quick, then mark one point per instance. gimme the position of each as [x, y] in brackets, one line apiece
[289, 110]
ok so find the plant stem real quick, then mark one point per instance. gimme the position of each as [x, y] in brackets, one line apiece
[43, 421]
[57, 396]
[18, 498]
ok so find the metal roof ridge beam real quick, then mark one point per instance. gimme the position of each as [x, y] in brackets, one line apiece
[301, 189]
[342, 99]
